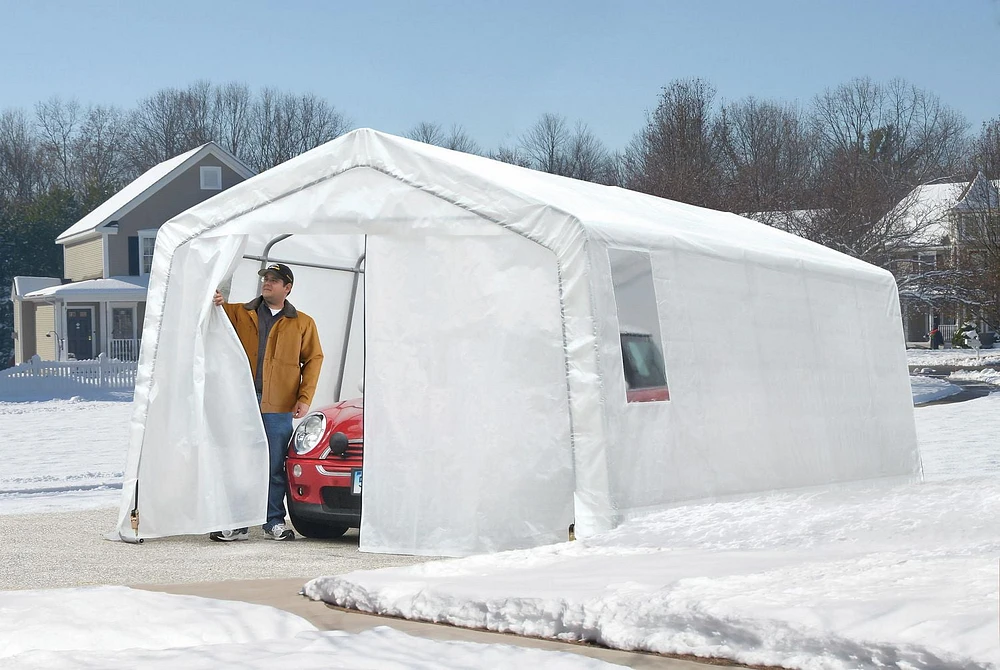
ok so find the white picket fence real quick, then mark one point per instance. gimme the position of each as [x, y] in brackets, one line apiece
[38, 376]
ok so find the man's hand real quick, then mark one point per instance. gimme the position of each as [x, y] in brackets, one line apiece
[301, 409]
[217, 299]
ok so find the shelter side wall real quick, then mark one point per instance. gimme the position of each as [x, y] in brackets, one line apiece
[45, 319]
[780, 377]
[182, 192]
[84, 260]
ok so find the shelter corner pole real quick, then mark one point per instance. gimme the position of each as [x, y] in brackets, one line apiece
[267, 249]
[347, 327]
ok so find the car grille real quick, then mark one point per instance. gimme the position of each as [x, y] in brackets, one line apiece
[340, 498]
[354, 451]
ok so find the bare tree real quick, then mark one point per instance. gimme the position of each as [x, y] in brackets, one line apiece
[21, 168]
[678, 154]
[769, 157]
[877, 143]
[59, 126]
[986, 150]
[510, 154]
[551, 146]
[911, 132]
[545, 144]
[586, 156]
[82, 150]
[318, 122]
[283, 126]
[100, 154]
[161, 127]
[617, 173]
[427, 132]
[458, 139]
[232, 109]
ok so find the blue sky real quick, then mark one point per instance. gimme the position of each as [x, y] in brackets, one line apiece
[495, 67]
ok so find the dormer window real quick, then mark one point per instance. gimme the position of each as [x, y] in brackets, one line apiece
[211, 178]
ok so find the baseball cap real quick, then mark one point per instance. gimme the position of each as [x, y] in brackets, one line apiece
[281, 270]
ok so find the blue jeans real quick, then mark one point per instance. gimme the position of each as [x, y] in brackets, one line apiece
[278, 428]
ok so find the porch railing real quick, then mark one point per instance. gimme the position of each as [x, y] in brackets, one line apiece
[124, 350]
[948, 332]
[38, 376]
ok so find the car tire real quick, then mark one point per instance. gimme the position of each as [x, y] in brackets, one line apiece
[316, 530]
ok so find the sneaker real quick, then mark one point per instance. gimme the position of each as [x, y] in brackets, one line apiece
[230, 535]
[278, 532]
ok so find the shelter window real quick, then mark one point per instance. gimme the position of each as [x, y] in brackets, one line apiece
[211, 178]
[638, 326]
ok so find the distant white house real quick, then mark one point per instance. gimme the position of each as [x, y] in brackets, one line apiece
[99, 304]
[938, 215]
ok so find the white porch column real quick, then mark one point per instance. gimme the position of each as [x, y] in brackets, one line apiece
[61, 331]
[105, 335]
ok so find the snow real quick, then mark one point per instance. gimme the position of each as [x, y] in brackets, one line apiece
[966, 357]
[986, 376]
[141, 629]
[60, 454]
[927, 389]
[859, 576]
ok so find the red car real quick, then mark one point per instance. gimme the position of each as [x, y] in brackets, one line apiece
[325, 453]
[324, 471]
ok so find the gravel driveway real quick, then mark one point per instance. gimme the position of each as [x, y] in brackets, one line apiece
[69, 549]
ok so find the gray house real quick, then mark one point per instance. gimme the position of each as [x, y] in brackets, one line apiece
[98, 306]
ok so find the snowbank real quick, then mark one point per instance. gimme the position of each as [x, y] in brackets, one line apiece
[928, 389]
[116, 627]
[988, 376]
[966, 357]
[853, 577]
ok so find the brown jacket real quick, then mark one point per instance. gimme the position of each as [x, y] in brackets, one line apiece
[292, 359]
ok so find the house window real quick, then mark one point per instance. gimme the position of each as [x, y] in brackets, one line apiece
[122, 323]
[977, 260]
[638, 326]
[147, 243]
[964, 231]
[211, 178]
[123, 344]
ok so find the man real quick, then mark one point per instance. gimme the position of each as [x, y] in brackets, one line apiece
[284, 353]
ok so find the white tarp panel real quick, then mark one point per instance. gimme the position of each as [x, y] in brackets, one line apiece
[785, 359]
[495, 470]
[211, 473]
[761, 352]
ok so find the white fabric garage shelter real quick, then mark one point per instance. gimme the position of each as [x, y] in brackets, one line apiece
[488, 331]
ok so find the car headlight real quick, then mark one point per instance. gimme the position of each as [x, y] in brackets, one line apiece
[309, 433]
